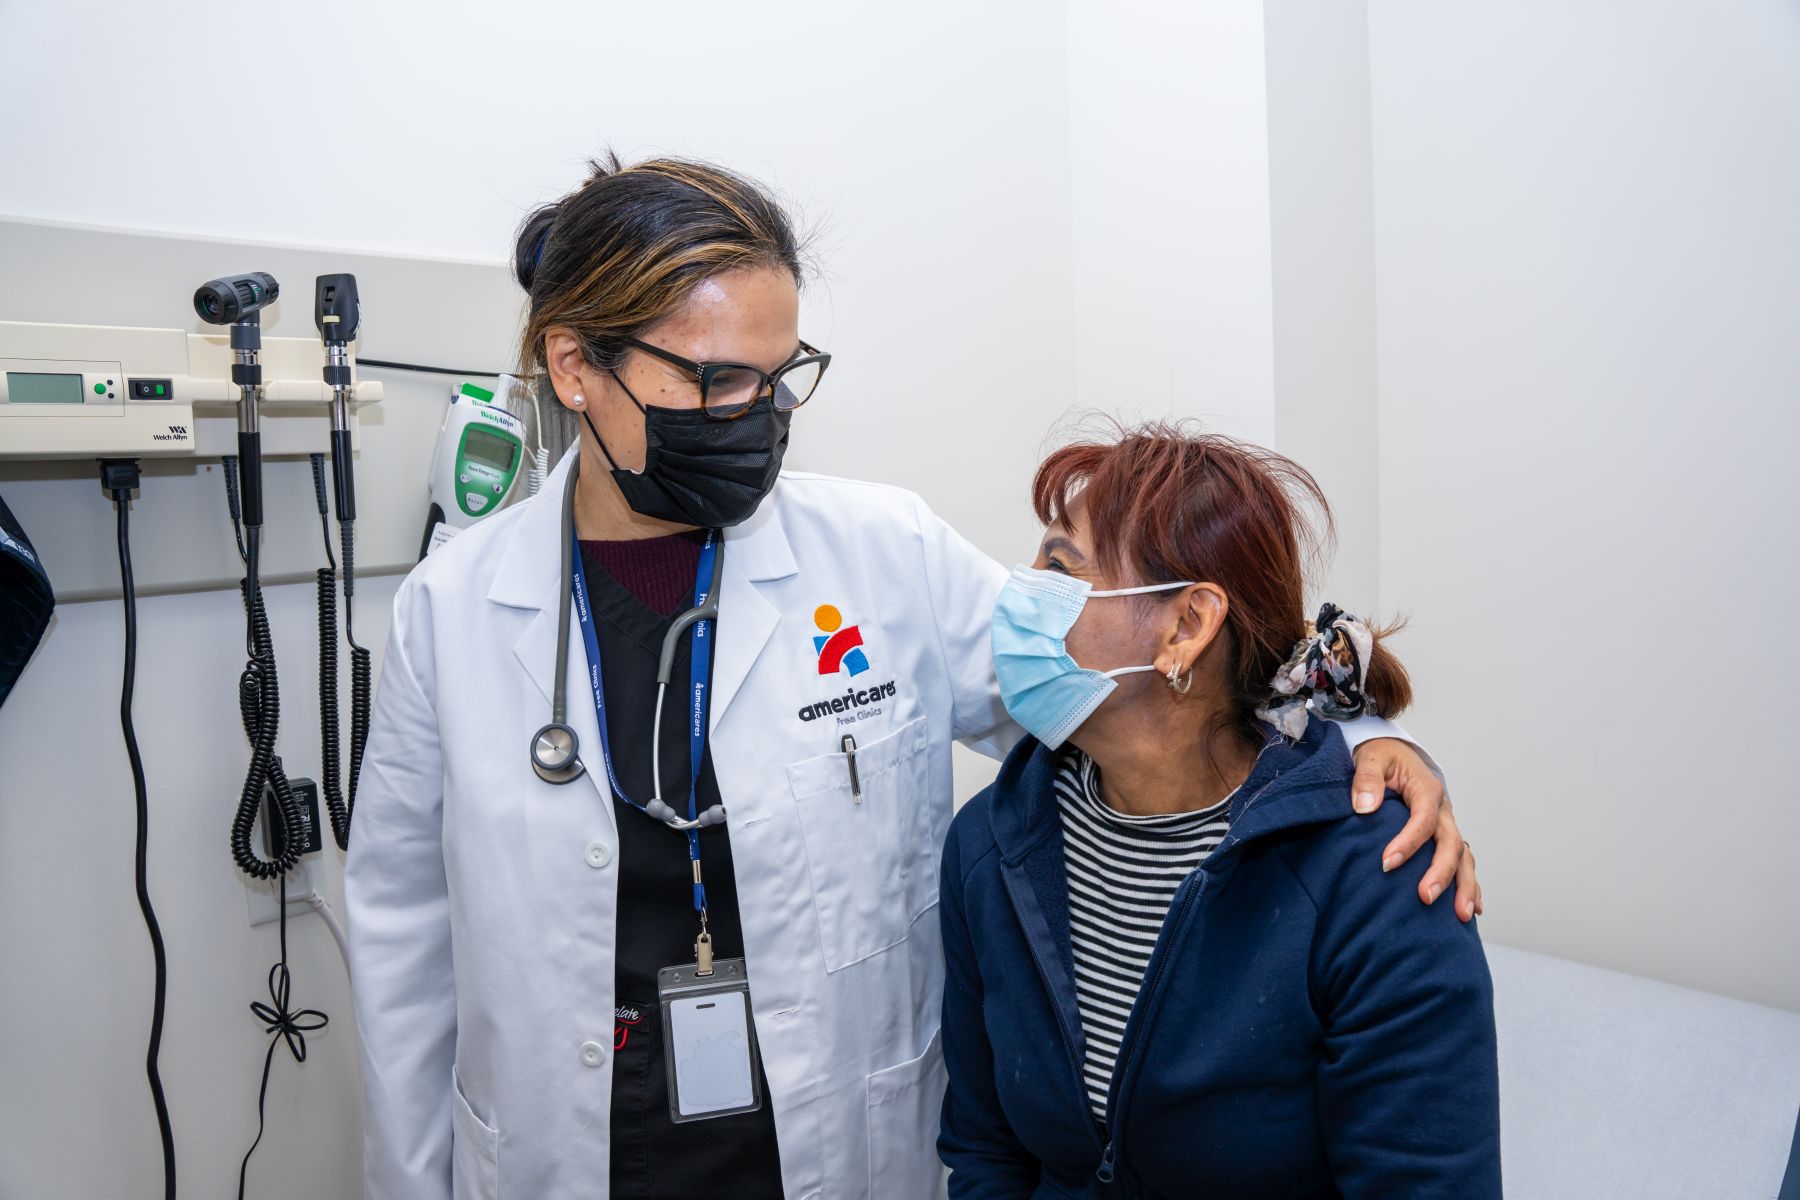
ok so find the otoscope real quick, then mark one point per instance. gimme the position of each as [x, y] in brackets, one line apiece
[338, 313]
[238, 301]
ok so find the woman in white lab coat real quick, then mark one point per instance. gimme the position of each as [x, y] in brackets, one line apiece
[521, 904]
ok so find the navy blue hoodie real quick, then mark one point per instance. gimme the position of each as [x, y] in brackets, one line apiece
[1306, 1027]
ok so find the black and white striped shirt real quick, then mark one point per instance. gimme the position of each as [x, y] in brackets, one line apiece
[1123, 872]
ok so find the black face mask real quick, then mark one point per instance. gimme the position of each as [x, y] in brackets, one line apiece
[700, 471]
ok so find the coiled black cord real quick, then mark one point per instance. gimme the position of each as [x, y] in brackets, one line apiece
[337, 806]
[122, 498]
[330, 749]
[259, 705]
[362, 689]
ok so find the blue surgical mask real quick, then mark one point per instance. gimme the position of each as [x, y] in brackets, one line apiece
[1045, 690]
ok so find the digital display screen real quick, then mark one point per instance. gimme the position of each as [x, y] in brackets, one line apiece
[483, 447]
[29, 387]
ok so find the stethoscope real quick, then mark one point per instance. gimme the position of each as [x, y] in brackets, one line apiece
[555, 750]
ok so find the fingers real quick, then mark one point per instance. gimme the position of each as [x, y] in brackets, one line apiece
[1371, 779]
[1450, 835]
[1429, 816]
[1445, 860]
[1468, 889]
[1424, 797]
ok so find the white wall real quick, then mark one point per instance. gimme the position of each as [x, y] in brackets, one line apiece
[1588, 278]
[1169, 159]
[930, 143]
[1322, 264]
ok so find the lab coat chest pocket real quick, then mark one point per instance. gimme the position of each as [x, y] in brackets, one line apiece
[873, 863]
[474, 1150]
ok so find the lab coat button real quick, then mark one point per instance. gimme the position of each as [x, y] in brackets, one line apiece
[598, 854]
[592, 1054]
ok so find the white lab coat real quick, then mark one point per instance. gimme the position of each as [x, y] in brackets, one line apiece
[482, 900]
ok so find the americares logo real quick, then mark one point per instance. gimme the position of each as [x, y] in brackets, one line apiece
[840, 646]
[840, 649]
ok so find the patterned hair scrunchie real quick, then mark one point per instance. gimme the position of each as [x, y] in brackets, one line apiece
[1329, 667]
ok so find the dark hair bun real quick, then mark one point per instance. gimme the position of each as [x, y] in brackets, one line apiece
[529, 251]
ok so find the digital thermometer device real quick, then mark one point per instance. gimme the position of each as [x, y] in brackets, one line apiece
[477, 467]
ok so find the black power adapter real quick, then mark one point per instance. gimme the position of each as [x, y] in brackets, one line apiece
[306, 800]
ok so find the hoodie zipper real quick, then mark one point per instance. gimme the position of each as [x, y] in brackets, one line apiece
[1062, 1023]
[1125, 1065]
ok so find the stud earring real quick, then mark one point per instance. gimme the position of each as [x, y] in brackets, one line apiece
[577, 400]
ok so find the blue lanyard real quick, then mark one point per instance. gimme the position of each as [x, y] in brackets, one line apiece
[699, 675]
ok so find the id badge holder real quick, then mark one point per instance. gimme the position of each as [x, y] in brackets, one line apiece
[709, 1041]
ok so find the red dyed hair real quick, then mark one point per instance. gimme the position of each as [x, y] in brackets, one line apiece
[1163, 502]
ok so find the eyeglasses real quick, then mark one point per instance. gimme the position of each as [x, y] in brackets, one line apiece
[728, 389]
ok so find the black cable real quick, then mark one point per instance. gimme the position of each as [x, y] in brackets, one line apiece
[361, 686]
[424, 370]
[318, 470]
[228, 465]
[330, 751]
[291, 1027]
[259, 705]
[122, 476]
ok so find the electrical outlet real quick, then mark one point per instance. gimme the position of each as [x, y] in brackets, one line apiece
[264, 905]
[266, 908]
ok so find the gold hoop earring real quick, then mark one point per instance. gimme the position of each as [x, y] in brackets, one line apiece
[1187, 681]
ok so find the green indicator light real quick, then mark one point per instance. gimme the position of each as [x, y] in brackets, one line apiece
[99, 389]
[159, 389]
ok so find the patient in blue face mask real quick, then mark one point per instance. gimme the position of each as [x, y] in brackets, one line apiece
[1174, 965]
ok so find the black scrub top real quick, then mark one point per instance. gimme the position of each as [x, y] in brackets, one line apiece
[652, 1157]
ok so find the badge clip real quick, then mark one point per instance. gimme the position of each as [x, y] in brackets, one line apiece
[709, 1039]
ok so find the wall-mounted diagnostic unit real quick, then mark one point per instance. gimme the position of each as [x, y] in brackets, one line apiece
[83, 391]
[477, 465]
